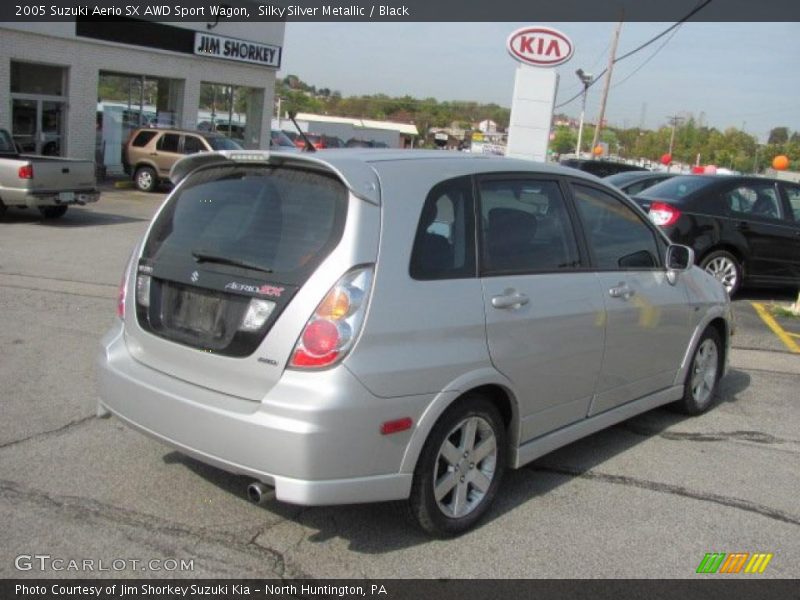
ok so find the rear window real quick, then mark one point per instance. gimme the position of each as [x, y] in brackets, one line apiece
[676, 188]
[281, 220]
[143, 138]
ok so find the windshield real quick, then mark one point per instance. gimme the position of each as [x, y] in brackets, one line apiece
[677, 187]
[222, 143]
[281, 220]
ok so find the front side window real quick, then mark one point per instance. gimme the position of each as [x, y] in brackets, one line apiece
[525, 227]
[444, 246]
[618, 237]
[793, 195]
[192, 145]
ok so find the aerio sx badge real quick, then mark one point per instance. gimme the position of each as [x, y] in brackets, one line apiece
[262, 290]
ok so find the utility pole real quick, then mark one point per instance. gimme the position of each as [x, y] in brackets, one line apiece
[611, 58]
[674, 120]
[586, 80]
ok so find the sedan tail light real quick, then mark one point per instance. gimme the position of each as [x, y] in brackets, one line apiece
[333, 328]
[25, 172]
[663, 214]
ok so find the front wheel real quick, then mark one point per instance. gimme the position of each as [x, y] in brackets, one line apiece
[725, 267]
[703, 376]
[460, 468]
[146, 179]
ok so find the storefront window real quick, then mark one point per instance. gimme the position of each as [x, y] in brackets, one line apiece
[33, 78]
[127, 102]
[233, 111]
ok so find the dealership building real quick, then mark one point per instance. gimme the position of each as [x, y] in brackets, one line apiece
[78, 88]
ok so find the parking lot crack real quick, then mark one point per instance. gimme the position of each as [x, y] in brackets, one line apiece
[757, 437]
[677, 490]
[82, 509]
[49, 433]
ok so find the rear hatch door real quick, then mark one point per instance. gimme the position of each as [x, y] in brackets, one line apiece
[221, 264]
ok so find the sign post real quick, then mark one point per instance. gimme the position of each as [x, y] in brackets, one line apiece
[538, 49]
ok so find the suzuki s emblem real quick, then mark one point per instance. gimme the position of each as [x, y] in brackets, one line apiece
[195, 277]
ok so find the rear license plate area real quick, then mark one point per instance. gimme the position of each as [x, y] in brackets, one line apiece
[197, 312]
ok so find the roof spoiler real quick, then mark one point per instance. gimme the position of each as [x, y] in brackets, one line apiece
[190, 163]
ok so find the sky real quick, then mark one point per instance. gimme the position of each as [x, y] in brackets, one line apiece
[741, 75]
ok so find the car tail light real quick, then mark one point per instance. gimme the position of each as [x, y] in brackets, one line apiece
[333, 328]
[123, 291]
[663, 214]
[25, 172]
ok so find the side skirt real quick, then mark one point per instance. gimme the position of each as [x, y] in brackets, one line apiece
[566, 435]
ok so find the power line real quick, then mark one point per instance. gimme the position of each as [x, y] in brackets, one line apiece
[693, 12]
[647, 60]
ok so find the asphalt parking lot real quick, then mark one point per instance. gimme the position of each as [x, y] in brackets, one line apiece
[646, 498]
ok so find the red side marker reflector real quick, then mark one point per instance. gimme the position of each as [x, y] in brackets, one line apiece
[396, 426]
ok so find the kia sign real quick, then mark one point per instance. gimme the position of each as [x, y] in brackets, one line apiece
[540, 46]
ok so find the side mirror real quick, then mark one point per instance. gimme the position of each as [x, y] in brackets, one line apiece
[679, 258]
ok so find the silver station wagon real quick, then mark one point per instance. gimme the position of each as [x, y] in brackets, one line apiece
[366, 325]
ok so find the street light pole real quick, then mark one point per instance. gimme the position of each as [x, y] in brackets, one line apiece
[586, 79]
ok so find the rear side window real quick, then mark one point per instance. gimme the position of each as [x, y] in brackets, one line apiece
[143, 138]
[280, 220]
[617, 235]
[525, 227]
[755, 200]
[168, 142]
[444, 245]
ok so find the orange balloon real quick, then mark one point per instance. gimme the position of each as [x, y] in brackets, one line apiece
[597, 150]
[780, 162]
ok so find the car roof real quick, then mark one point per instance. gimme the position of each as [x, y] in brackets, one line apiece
[360, 168]
[181, 131]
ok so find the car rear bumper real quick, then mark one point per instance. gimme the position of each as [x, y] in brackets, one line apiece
[35, 199]
[325, 449]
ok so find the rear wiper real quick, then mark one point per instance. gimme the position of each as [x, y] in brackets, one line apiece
[205, 256]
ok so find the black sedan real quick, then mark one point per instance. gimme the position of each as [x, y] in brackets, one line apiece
[635, 182]
[744, 230]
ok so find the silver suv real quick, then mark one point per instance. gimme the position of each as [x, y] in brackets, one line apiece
[367, 325]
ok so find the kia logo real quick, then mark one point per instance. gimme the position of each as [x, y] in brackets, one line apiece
[540, 46]
[195, 277]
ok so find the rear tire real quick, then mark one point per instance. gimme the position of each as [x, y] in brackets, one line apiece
[724, 267]
[460, 468]
[53, 212]
[146, 179]
[703, 377]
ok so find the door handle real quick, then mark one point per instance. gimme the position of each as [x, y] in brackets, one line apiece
[510, 299]
[743, 226]
[154, 154]
[621, 291]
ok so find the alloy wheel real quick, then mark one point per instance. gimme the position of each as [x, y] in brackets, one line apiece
[704, 372]
[465, 467]
[724, 270]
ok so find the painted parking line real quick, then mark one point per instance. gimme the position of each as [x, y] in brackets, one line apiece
[782, 334]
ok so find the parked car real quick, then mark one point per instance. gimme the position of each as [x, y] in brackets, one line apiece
[515, 308]
[48, 184]
[361, 143]
[744, 230]
[635, 182]
[150, 153]
[280, 141]
[319, 141]
[598, 167]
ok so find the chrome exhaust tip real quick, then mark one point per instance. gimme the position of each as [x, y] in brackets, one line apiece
[257, 492]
